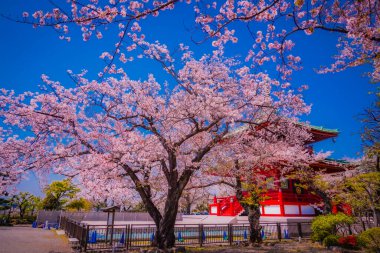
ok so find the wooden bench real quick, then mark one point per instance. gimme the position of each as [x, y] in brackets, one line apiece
[74, 243]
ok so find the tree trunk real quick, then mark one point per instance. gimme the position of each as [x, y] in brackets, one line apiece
[376, 216]
[188, 208]
[253, 210]
[254, 225]
[9, 214]
[187, 204]
[165, 238]
[327, 209]
[21, 213]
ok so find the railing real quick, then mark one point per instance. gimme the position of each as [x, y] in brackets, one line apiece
[230, 206]
[132, 236]
[227, 205]
[74, 229]
[292, 198]
[52, 217]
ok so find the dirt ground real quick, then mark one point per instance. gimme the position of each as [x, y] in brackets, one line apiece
[287, 246]
[24, 239]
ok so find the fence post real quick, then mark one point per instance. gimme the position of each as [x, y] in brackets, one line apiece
[126, 242]
[83, 235]
[200, 229]
[299, 227]
[230, 234]
[86, 238]
[60, 225]
[75, 231]
[106, 234]
[60, 219]
[69, 228]
[279, 231]
[130, 236]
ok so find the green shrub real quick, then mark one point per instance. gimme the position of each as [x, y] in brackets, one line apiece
[4, 221]
[325, 225]
[18, 220]
[331, 240]
[370, 239]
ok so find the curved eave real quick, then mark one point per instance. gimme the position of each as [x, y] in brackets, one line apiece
[332, 166]
[320, 134]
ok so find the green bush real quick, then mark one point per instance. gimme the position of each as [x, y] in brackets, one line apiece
[4, 221]
[25, 220]
[370, 239]
[331, 240]
[325, 225]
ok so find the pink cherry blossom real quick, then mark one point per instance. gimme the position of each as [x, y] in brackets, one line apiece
[132, 140]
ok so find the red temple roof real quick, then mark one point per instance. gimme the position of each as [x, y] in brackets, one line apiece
[318, 133]
[321, 133]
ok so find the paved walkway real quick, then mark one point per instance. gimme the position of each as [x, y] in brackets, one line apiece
[31, 240]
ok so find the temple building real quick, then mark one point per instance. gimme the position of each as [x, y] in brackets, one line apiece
[284, 197]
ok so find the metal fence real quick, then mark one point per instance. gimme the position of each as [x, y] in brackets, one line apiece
[356, 228]
[53, 217]
[132, 236]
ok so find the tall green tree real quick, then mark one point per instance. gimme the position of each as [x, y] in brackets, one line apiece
[58, 193]
[36, 203]
[361, 192]
[24, 202]
[80, 204]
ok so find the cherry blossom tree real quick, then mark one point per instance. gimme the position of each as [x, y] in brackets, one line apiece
[145, 137]
[272, 25]
[246, 169]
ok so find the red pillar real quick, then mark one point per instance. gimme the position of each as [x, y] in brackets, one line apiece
[281, 202]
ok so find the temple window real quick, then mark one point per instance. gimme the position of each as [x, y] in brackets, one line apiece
[270, 183]
[284, 183]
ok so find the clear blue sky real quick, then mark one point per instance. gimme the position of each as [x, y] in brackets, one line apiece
[26, 53]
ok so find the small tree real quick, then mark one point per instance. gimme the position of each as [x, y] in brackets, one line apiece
[58, 194]
[318, 183]
[24, 201]
[325, 225]
[36, 203]
[6, 205]
[251, 204]
[272, 155]
[193, 196]
[80, 204]
[362, 193]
